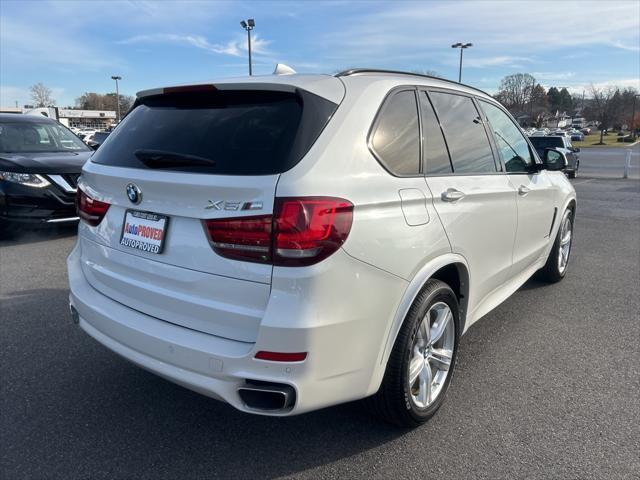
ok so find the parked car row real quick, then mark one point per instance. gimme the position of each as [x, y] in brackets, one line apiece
[92, 137]
[573, 133]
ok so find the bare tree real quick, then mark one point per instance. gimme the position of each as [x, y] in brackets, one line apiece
[41, 95]
[98, 101]
[538, 105]
[602, 105]
[515, 91]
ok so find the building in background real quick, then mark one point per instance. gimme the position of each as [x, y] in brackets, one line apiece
[98, 119]
[71, 117]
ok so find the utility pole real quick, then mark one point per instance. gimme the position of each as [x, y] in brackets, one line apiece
[461, 46]
[248, 26]
[633, 118]
[116, 78]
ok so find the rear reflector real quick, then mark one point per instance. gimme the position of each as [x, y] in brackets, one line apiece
[281, 356]
[89, 209]
[302, 231]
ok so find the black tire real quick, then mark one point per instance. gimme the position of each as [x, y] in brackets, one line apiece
[393, 401]
[572, 173]
[551, 272]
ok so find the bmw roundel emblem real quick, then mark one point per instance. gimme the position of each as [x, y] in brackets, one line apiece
[134, 193]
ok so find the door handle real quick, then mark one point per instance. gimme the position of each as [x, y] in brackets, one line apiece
[522, 190]
[452, 195]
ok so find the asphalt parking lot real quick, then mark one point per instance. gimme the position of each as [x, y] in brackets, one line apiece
[547, 385]
[609, 162]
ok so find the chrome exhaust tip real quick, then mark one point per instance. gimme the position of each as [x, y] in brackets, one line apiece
[75, 316]
[267, 397]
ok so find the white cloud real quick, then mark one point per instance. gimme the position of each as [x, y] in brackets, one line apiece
[39, 46]
[9, 95]
[578, 88]
[233, 47]
[504, 33]
[553, 75]
[497, 61]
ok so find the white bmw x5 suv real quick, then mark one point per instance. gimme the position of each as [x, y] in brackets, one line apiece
[285, 243]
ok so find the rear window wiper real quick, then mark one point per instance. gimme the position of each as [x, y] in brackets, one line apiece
[166, 159]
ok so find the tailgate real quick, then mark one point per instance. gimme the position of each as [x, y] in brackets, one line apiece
[176, 160]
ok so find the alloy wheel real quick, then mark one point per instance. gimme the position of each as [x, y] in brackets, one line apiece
[566, 235]
[431, 354]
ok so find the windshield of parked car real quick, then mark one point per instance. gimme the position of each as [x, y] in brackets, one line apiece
[547, 142]
[32, 137]
[100, 136]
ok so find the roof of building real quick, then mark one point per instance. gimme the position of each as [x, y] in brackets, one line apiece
[20, 118]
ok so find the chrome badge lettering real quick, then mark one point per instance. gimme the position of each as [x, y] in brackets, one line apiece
[233, 206]
[217, 205]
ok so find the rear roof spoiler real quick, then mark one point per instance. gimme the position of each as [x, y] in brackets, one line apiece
[326, 86]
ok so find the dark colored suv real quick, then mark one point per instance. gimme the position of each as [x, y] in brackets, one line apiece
[562, 144]
[40, 162]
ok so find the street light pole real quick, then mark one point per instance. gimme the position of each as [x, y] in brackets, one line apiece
[248, 26]
[633, 117]
[116, 78]
[461, 46]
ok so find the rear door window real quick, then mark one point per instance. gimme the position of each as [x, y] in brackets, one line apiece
[435, 153]
[464, 130]
[396, 135]
[222, 132]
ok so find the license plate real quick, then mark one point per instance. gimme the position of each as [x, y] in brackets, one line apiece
[144, 231]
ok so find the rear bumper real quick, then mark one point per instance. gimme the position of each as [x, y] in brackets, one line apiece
[344, 354]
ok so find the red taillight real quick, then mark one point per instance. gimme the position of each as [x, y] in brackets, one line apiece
[246, 238]
[281, 356]
[302, 231]
[89, 209]
[308, 230]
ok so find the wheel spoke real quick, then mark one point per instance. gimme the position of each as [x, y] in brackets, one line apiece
[564, 252]
[424, 394]
[423, 331]
[415, 367]
[442, 356]
[440, 325]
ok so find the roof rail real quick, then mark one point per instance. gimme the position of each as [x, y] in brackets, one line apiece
[353, 71]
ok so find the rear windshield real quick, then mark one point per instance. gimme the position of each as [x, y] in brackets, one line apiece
[546, 142]
[231, 132]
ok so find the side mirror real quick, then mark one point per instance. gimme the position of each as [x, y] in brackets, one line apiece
[94, 146]
[576, 149]
[554, 160]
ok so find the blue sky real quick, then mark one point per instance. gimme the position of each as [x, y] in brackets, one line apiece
[75, 46]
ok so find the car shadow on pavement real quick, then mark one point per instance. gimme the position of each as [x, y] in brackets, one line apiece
[533, 283]
[91, 414]
[22, 235]
[142, 422]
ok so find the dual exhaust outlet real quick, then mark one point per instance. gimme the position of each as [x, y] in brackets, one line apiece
[259, 396]
[267, 397]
